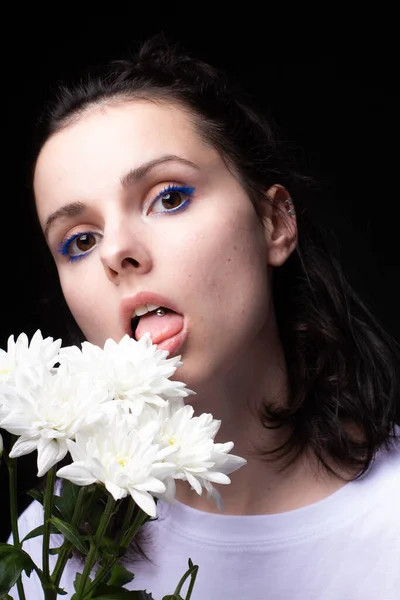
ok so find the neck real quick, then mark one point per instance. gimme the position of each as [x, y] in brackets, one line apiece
[260, 487]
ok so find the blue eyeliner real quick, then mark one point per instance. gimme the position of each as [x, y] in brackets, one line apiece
[185, 190]
[64, 246]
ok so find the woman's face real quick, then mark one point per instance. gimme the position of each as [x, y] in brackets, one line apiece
[139, 210]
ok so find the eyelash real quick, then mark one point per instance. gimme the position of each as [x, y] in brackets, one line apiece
[187, 191]
[183, 189]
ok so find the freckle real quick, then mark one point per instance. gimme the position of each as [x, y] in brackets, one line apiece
[235, 247]
[229, 259]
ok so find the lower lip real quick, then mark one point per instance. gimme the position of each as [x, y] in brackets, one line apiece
[173, 344]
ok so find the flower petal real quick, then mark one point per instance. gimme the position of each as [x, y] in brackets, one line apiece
[170, 491]
[145, 501]
[76, 452]
[217, 477]
[48, 453]
[151, 485]
[77, 473]
[16, 424]
[24, 446]
[116, 492]
[193, 482]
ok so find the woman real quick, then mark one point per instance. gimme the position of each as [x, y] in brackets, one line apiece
[158, 185]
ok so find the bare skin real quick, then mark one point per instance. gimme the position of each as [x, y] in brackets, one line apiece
[213, 259]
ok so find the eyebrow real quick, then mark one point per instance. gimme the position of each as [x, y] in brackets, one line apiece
[75, 209]
[135, 175]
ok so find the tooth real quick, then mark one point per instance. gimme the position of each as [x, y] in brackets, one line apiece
[141, 310]
[151, 307]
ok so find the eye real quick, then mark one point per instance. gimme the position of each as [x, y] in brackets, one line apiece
[78, 245]
[172, 199]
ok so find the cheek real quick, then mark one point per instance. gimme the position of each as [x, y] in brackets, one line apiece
[77, 301]
[82, 300]
[228, 301]
[230, 256]
[224, 270]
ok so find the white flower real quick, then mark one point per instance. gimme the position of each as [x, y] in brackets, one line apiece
[134, 372]
[20, 354]
[132, 430]
[197, 459]
[126, 461]
[45, 413]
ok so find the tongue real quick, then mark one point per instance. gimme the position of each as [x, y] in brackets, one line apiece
[160, 328]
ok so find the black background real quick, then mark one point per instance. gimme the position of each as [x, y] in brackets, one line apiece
[331, 86]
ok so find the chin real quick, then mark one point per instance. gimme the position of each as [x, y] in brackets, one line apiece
[200, 378]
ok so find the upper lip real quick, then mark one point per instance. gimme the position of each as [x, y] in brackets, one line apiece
[128, 305]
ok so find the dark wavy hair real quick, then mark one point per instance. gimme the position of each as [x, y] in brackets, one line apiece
[343, 387]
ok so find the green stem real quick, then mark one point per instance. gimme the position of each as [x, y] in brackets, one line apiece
[101, 574]
[193, 576]
[63, 557]
[127, 518]
[48, 508]
[128, 533]
[12, 473]
[92, 556]
[192, 573]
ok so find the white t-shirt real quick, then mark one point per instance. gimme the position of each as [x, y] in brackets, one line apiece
[345, 547]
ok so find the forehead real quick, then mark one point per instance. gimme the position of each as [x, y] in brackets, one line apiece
[143, 122]
[105, 141]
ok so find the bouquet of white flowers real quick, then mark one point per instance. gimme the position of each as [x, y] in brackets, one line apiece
[129, 435]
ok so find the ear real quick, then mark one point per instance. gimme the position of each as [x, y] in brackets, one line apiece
[280, 225]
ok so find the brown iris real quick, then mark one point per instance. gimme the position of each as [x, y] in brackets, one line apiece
[85, 242]
[171, 199]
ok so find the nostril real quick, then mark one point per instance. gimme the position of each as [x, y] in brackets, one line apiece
[132, 261]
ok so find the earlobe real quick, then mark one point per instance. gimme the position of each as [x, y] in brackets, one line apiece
[280, 225]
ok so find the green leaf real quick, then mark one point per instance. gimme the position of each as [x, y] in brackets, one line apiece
[61, 591]
[36, 495]
[120, 576]
[96, 509]
[13, 561]
[55, 550]
[38, 531]
[66, 502]
[77, 582]
[111, 592]
[70, 533]
[108, 547]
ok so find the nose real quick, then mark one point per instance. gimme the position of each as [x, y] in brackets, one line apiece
[122, 254]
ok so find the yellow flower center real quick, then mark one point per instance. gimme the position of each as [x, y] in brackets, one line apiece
[122, 462]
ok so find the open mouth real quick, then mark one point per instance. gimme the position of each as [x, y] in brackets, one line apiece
[162, 323]
[134, 324]
[160, 311]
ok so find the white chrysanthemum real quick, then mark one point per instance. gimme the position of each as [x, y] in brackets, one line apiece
[39, 352]
[48, 412]
[197, 459]
[126, 461]
[134, 372]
